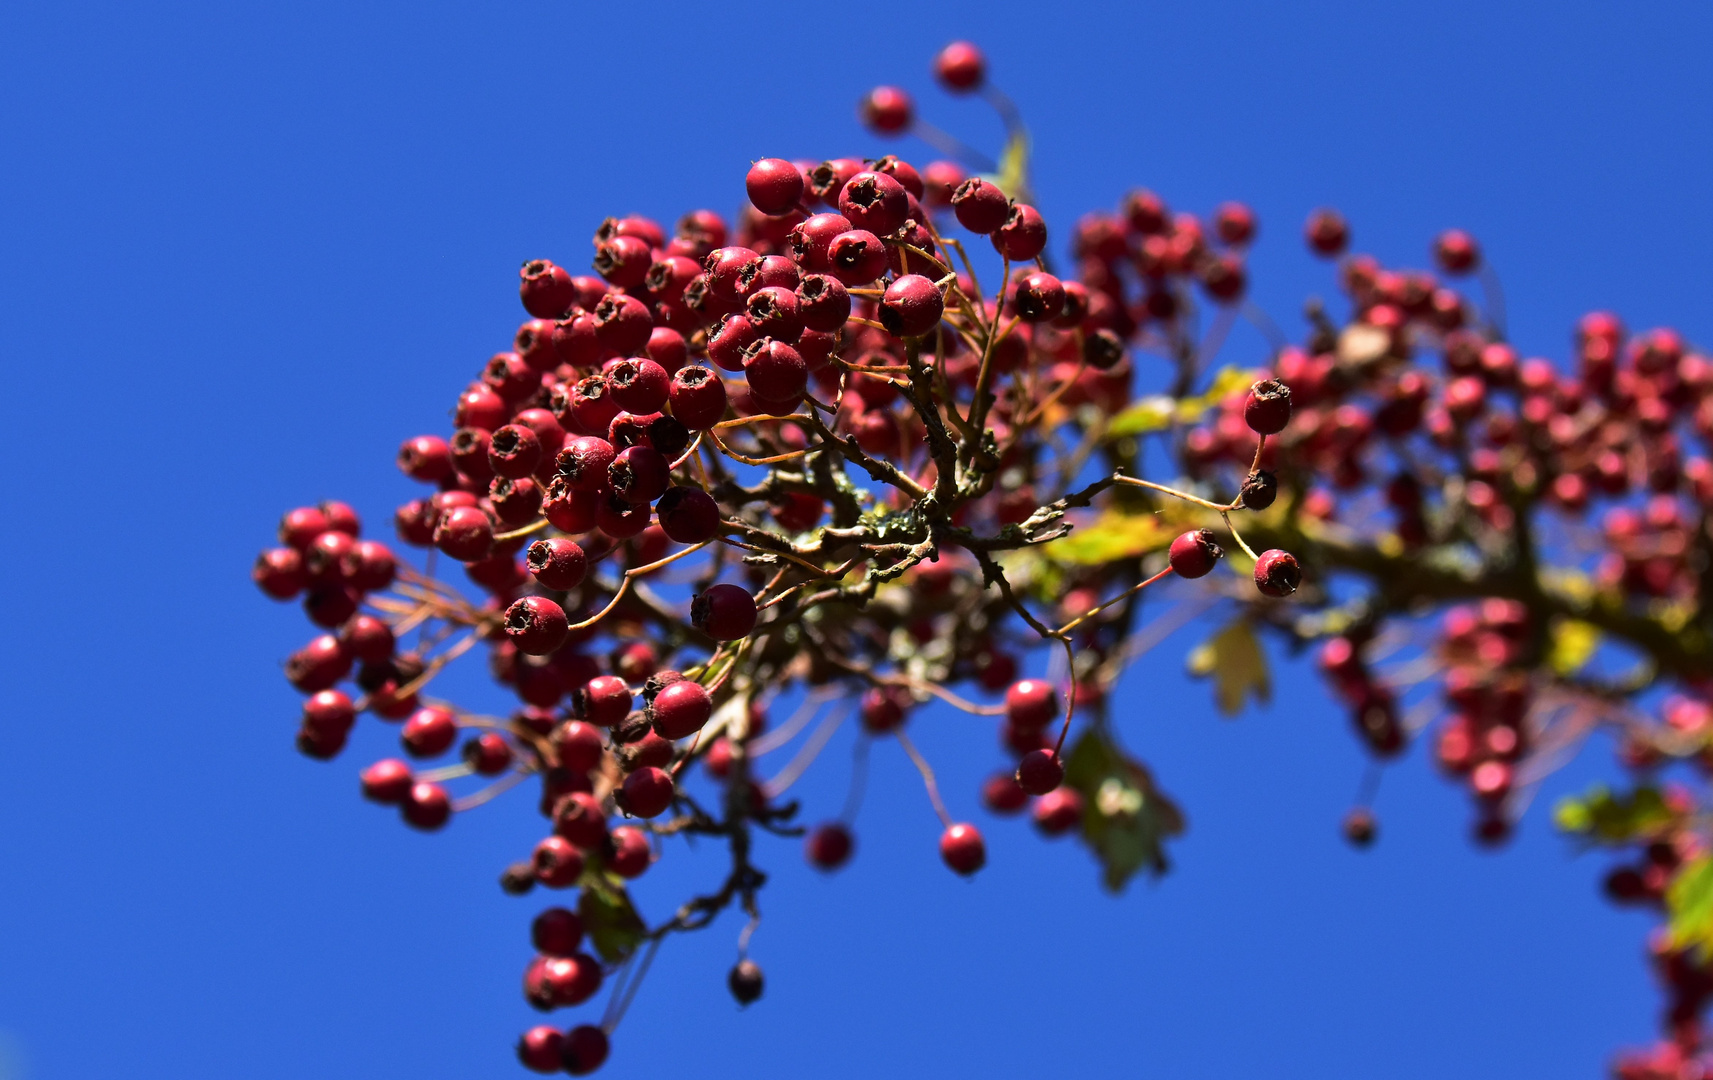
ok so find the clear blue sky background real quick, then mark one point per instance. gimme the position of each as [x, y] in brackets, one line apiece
[245, 249]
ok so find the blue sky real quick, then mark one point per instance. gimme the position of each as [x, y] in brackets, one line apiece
[248, 248]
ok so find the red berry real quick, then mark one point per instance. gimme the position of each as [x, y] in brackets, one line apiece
[886, 110]
[647, 792]
[583, 1050]
[329, 711]
[539, 1049]
[962, 849]
[509, 377]
[580, 820]
[939, 180]
[1234, 223]
[318, 665]
[638, 385]
[387, 781]
[1031, 703]
[602, 701]
[688, 515]
[882, 709]
[776, 372]
[1327, 232]
[811, 239]
[536, 625]
[1277, 573]
[585, 461]
[546, 289]
[904, 173]
[556, 932]
[1040, 772]
[773, 312]
[960, 67]
[426, 806]
[829, 846]
[1194, 553]
[1038, 298]
[557, 862]
[1058, 811]
[1268, 408]
[729, 339]
[631, 855]
[1359, 827]
[1023, 235]
[912, 306]
[856, 257]
[639, 475]
[698, 398]
[578, 745]
[823, 303]
[587, 406]
[775, 186]
[465, 533]
[876, 202]
[279, 572]
[668, 348]
[980, 206]
[426, 457]
[619, 519]
[428, 732]
[680, 709]
[514, 451]
[1002, 795]
[300, 527]
[725, 612]
[1456, 252]
[558, 563]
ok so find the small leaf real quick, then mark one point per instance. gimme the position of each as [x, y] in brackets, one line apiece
[1126, 819]
[1151, 413]
[1157, 412]
[1572, 815]
[1605, 818]
[1013, 175]
[1689, 901]
[1111, 536]
[613, 926]
[1235, 659]
[1574, 643]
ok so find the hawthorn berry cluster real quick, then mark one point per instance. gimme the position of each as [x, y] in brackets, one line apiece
[804, 456]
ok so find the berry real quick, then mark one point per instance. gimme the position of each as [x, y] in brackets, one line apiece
[856, 257]
[823, 303]
[1259, 490]
[960, 67]
[882, 709]
[536, 625]
[775, 186]
[1031, 703]
[876, 202]
[1268, 407]
[488, 754]
[539, 1049]
[556, 932]
[329, 711]
[725, 612]
[1040, 772]
[828, 846]
[1277, 573]
[1359, 827]
[387, 781]
[580, 820]
[639, 475]
[698, 398]
[631, 854]
[279, 573]
[1058, 811]
[1002, 795]
[426, 806]
[546, 289]
[426, 457]
[639, 385]
[962, 849]
[1038, 298]
[584, 463]
[429, 732]
[603, 701]
[980, 206]
[776, 371]
[811, 239]
[583, 1050]
[558, 563]
[1326, 232]
[1194, 554]
[773, 312]
[1234, 223]
[318, 665]
[680, 709]
[688, 515]
[745, 982]
[465, 533]
[912, 306]
[557, 862]
[623, 261]
[1456, 252]
[1023, 236]
[647, 792]
[886, 110]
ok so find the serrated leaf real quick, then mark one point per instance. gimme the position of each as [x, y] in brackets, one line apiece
[1156, 412]
[609, 918]
[1605, 818]
[1126, 818]
[1573, 644]
[1689, 902]
[1238, 665]
[1111, 536]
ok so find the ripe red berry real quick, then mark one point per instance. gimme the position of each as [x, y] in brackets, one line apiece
[698, 398]
[680, 709]
[428, 732]
[774, 313]
[557, 862]
[1002, 795]
[876, 202]
[1040, 772]
[619, 519]
[1277, 573]
[536, 625]
[960, 67]
[980, 206]
[1234, 223]
[329, 711]
[546, 289]
[426, 806]
[1223, 277]
[1023, 236]
[558, 563]
[539, 1049]
[1268, 407]
[688, 515]
[279, 572]
[631, 854]
[886, 110]
[829, 846]
[488, 754]
[1038, 298]
[1194, 553]
[647, 792]
[639, 475]
[585, 461]
[1058, 811]
[514, 451]
[1359, 827]
[387, 781]
[775, 186]
[556, 932]
[725, 612]
[580, 820]
[912, 306]
[583, 1050]
[1031, 703]
[745, 981]
[776, 372]
[638, 385]
[823, 303]
[465, 533]
[1456, 252]
[426, 457]
[856, 257]
[318, 665]
[1327, 233]
[602, 701]
[882, 709]
[962, 848]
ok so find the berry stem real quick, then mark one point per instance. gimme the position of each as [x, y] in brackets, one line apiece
[1121, 597]
[921, 764]
[1184, 495]
[1235, 535]
[805, 756]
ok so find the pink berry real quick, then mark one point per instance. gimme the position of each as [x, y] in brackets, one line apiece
[962, 849]
[427, 806]
[387, 781]
[886, 110]
[960, 67]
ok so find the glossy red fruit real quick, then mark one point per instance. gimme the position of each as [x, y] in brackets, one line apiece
[279, 573]
[775, 371]
[960, 67]
[1277, 573]
[584, 463]
[1326, 233]
[886, 110]
[318, 665]
[1456, 252]
[1001, 794]
[1039, 772]
[426, 806]
[856, 257]
[539, 1049]
[329, 711]
[488, 754]
[580, 820]
[1234, 223]
[514, 451]
[536, 625]
[1267, 410]
[639, 475]
[680, 709]
[623, 261]
[426, 457]
[1038, 298]
[725, 612]
[546, 289]
[639, 385]
[1058, 811]
[584, 1049]
[698, 398]
[1031, 703]
[876, 202]
[465, 533]
[429, 732]
[1023, 236]
[557, 862]
[882, 709]
[980, 206]
[962, 849]
[775, 186]
[1194, 554]
[912, 306]
[828, 846]
[647, 792]
[823, 303]
[556, 932]
[387, 781]
[559, 563]
[688, 515]
[603, 700]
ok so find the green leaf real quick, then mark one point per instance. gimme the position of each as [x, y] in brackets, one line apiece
[1157, 412]
[1605, 818]
[1111, 536]
[1234, 658]
[1689, 901]
[1126, 819]
[610, 920]
[1013, 175]
[1574, 643]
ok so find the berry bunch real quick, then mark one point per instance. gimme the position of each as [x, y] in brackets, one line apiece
[807, 457]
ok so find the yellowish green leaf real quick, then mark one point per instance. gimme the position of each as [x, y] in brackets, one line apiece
[1238, 665]
[1573, 644]
[1126, 818]
[1013, 175]
[1689, 901]
[1603, 817]
[610, 920]
[1113, 535]
[1157, 412]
